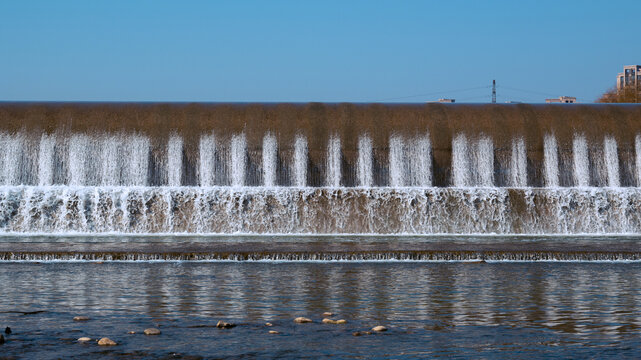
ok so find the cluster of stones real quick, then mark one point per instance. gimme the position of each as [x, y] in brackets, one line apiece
[375, 329]
[327, 320]
[105, 341]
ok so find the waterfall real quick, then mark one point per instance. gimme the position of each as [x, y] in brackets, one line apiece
[319, 169]
[472, 164]
[136, 165]
[365, 170]
[551, 161]
[270, 153]
[300, 161]
[420, 158]
[484, 160]
[4, 149]
[518, 164]
[174, 160]
[78, 151]
[8, 159]
[397, 161]
[460, 162]
[109, 155]
[238, 159]
[333, 162]
[581, 161]
[637, 158]
[207, 160]
[260, 210]
[45, 160]
[611, 159]
[126, 159]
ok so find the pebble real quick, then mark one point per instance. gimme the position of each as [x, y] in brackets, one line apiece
[7, 330]
[224, 325]
[274, 332]
[302, 320]
[84, 339]
[269, 324]
[379, 328]
[106, 342]
[152, 331]
[80, 318]
[328, 314]
[359, 333]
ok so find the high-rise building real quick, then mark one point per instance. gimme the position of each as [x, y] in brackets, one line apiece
[631, 76]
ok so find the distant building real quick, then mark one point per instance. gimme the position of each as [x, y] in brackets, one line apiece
[444, 101]
[631, 76]
[562, 100]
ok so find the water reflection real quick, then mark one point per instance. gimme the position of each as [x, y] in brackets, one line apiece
[580, 299]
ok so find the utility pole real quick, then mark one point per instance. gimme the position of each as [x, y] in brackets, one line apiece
[493, 91]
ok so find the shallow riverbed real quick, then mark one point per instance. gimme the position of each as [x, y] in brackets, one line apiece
[431, 309]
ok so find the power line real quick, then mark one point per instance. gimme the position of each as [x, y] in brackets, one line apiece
[475, 97]
[434, 93]
[493, 86]
[528, 91]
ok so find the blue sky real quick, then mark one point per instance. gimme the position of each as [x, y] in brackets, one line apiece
[299, 51]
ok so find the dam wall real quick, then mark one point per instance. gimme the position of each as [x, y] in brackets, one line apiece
[319, 168]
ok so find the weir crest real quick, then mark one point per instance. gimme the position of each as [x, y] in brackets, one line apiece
[478, 169]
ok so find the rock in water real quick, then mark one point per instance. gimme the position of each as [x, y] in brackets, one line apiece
[152, 331]
[274, 332]
[328, 314]
[224, 325]
[341, 321]
[329, 321]
[7, 330]
[302, 320]
[84, 339]
[80, 318]
[106, 342]
[379, 328]
[269, 324]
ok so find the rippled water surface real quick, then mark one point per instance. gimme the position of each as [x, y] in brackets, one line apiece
[468, 310]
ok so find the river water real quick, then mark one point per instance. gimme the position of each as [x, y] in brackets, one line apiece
[432, 309]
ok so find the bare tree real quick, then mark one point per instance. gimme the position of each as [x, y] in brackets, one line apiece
[629, 94]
